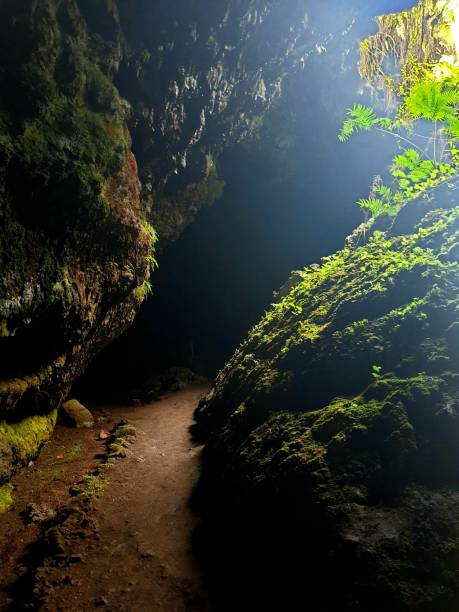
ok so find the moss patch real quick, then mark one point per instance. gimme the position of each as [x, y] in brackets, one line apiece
[6, 497]
[92, 485]
[26, 437]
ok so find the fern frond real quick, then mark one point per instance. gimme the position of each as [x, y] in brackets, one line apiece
[377, 207]
[384, 122]
[385, 192]
[361, 119]
[409, 160]
[432, 100]
[453, 127]
[346, 131]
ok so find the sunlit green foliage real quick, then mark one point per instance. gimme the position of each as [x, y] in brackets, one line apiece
[425, 94]
[381, 202]
[432, 100]
[361, 119]
[415, 174]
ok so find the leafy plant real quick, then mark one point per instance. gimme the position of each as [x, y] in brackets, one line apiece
[409, 167]
[382, 205]
[361, 119]
[415, 174]
[152, 262]
[432, 100]
[425, 95]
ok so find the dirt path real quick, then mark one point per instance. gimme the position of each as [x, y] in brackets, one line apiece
[141, 558]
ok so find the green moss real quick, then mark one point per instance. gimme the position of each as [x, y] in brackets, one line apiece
[73, 452]
[26, 437]
[92, 485]
[6, 497]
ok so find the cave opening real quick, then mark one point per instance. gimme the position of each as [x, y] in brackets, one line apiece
[229, 305]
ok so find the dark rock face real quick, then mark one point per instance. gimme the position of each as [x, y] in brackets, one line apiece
[201, 76]
[73, 247]
[333, 432]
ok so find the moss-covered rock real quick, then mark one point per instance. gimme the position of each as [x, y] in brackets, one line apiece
[342, 406]
[332, 434]
[74, 414]
[426, 32]
[6, 497]
[74, 246]
[20, 440]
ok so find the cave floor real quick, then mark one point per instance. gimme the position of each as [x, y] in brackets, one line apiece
[141, 557]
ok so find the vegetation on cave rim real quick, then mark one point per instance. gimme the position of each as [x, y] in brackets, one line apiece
[430, 93]
[425, 33]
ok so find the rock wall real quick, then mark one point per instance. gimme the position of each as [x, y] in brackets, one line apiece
[74, 248]
[200, 77]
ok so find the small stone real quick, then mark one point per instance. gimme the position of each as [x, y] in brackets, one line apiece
[101, 601]
[103, 434]
[74, 414]
[144, 553]
[37, 513]
[75, 558]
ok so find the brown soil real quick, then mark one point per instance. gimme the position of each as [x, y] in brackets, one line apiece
[141, 558]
